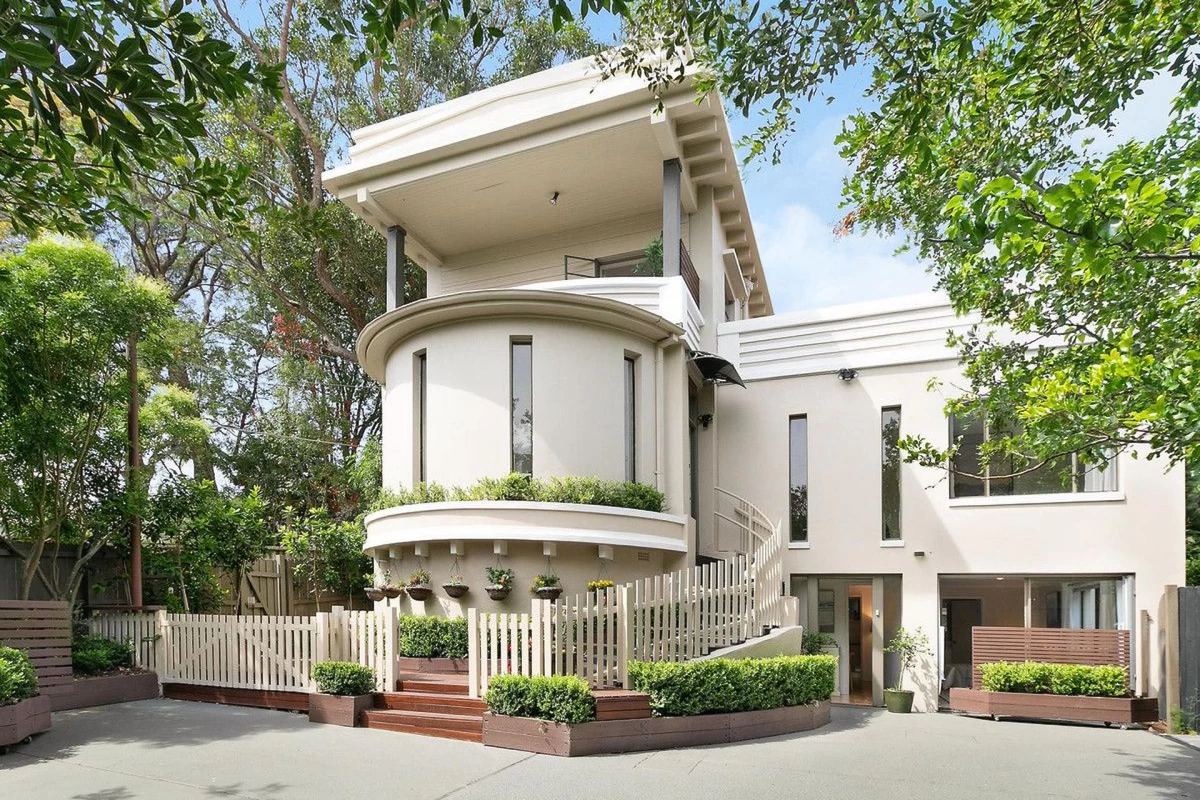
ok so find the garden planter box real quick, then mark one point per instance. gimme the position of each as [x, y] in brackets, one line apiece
[655, 733]
[107, 689]
[1069, 708]
[22, 720]
[458, 666]
[332, 709]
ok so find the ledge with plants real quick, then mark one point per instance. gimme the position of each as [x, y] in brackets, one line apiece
[344, 691]
[688, 704]
[23, 712]
[432, 644]
[1064, 692]
[516, 487]
[105, 674]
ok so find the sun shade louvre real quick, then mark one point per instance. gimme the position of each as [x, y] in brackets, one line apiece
[716, 369]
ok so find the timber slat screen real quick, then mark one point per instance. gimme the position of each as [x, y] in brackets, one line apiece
[1051, 645]
[43, 630]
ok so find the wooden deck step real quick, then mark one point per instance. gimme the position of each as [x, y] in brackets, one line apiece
[446, 726]
[443, 702]
[434, 686]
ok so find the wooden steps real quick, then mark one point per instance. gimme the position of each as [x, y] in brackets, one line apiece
[426, 723]
[430, 704]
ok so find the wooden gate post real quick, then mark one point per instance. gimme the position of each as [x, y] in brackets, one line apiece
[161, 632]
[321, 645]
[473, 651]
[391, 669]
[624, 634]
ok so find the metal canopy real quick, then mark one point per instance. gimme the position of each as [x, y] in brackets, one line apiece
[716, 369]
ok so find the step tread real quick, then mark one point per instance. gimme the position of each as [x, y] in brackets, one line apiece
[427, 701]
[425, 719]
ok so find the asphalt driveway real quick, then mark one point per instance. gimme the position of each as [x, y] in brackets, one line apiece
[172, 749]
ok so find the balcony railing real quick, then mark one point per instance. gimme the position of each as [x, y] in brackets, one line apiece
[688, 271]
[584, 267]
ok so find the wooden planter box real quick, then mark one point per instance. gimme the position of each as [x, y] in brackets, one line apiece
[107, 689]
[1069, 708]
[22, 720]
[332, 709]
[655, 733]
[442, 665]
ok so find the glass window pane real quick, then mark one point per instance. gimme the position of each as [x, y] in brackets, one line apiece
[1051, 478]
[1096, 477]
[968, 434]
[522, 407]
[420, 415]
[890, 435]
[798, 472]
[630, 420]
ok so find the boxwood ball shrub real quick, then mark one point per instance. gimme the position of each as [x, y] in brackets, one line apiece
[18, 681]
[1036, 677]
[558, 698]
[92, 654]
[343, 678]
[723, 685]
[433, 637]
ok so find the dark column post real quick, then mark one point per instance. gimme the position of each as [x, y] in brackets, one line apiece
[395, 267]
[672, 216]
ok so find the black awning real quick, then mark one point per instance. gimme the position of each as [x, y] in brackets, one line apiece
[716, 369]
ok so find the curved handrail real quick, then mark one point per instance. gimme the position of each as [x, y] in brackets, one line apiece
[763, 541]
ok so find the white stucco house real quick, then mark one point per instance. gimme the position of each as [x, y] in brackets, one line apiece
[541, 350]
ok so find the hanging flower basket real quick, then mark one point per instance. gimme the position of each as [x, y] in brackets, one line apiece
[500, 581]
[456, 590]
[391, 592]
[374, 593]
[498, 591]
[420, 592]
[548, 592]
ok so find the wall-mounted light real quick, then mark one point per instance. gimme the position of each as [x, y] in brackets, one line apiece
[705, 420]
[847, 374]
[554, 199]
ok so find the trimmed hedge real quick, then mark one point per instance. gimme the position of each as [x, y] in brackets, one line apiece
[433, 637]
[18, 681]
[1036, 677]
[92, 654]
[723, 685]
[584, 490]
[343, 678]
[558, 698]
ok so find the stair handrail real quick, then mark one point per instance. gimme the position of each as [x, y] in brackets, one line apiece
[762, 541]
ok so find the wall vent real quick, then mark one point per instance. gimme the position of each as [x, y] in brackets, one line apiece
[643, 556]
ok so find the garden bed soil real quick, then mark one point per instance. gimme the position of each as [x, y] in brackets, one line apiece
[656, 733]
[332, 709]
[455, 666]
[101, 690]
[22, 720]
[1067, 708]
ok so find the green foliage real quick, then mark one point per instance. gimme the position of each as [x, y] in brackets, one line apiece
[1192, 511]
[908, 646]
[92, 654]
[327, 554]
[433, 637]
[18, 681]
[343, 678]
[420, 577]
[581, 490]
[558, 698]
[66, 312]
[1035, 677]
[545, 582]
[499, 576]
[652, 266]
[723, 685]
[599, 585]
[812, 643]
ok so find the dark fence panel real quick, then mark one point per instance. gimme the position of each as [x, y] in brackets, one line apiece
[1189, 650]
[43, 630]
[1052, 645]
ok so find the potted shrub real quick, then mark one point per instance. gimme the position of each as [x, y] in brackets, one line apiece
[455, 586]
[23, 712]
[390, 590]
[499, 582]
[418, 585]
[907, 646]
[344, 691]
[599, 585]
[547, 587]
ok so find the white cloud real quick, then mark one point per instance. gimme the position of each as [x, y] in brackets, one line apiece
[807, 266]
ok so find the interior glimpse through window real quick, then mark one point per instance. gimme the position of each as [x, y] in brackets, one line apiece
[890, 436]
[798, 478]
[422, 383]
[1011, 475]
[522, 406]
[630, 419]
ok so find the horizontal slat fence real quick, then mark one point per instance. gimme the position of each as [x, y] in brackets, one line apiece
[1053, 645]
[43, 630]
[274, 653]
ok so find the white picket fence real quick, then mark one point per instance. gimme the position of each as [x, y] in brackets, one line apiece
[268, 653]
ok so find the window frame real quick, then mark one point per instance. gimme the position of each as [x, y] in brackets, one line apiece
[795, 540]
[884, 444]
[514, 424]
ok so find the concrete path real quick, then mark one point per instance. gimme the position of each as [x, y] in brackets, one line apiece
[169, 749]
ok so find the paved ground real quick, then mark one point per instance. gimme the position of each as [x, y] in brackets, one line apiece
[170, 749]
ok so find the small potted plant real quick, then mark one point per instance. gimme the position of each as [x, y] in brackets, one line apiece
[373, 591]
[547, 587]
[418, 585]
[455, 587]
[599, 585]
[499, 582]
[390, 590]
[344, 691]
[907, 646]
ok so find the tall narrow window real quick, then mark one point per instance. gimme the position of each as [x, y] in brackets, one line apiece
[419, 402]
[522, 406]
[630, 419]
[889, 433]
[798, 478]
